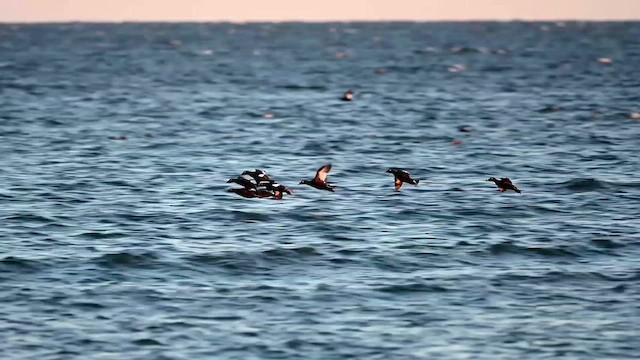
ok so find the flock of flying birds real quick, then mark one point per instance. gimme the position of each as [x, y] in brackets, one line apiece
[257, 184]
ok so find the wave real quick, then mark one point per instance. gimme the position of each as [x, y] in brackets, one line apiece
[88, 305]
[250, 261]
[605, 157]
[127, 259]
[95, 235]
[412, 288]
[250, 216]
[593, 184]
[510, 248]
[563, 276]
[30, 218]
[287, 252]
[302, 87]
[607, 244]
[312, 216]
[12, 263]
[585, 184]
[147, 342]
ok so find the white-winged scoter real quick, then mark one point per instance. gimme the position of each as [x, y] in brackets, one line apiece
[320, 180]
[402, 176]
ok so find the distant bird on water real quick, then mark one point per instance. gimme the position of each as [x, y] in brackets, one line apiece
[464, 128]
[320, 180]
[348, 96]
[401, 177]
[504, 184]
[550, 108]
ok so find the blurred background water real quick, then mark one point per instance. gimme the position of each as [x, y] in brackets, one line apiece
[118, 240]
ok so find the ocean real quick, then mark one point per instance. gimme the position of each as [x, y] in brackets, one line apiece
[119, 240]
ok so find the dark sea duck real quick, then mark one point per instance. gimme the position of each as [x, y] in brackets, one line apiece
[268, 193]
[401, 177]
[271, 185]
[320, 181]
[244, 192]
[276, 194]
[264, 193]
[244, 182]
[504, 184]
[257, 175]
[348, 96]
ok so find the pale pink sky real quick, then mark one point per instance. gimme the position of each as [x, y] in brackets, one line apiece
[314, 10]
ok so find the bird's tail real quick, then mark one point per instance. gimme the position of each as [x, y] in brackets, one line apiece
[417, 182]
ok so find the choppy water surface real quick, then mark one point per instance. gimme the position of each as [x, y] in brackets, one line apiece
[123, 249]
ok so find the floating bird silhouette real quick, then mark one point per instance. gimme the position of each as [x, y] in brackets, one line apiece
[348, 96]
[320, 180]
[551, 108]
[401, 177]
[504, 184]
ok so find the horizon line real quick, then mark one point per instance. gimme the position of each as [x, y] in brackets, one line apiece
[320, 21]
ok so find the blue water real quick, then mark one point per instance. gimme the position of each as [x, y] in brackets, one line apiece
[132, 249]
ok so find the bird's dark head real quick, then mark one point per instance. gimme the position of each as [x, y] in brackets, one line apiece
[492, 179]
[246, 172]
[230, 181]
[305, 182]
[390, 171]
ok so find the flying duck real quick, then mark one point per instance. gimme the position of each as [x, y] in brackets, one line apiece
[244, 192]
[271, 185]
[264, 193]
[258, 175]
[402, 176]
[504, 184]
[320, 181]
[277, 195]
[244, 182]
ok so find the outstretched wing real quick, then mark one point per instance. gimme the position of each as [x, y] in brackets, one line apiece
[398, 183]
[261, 175]
[405, 176]
[322, 173]
[506, 181]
